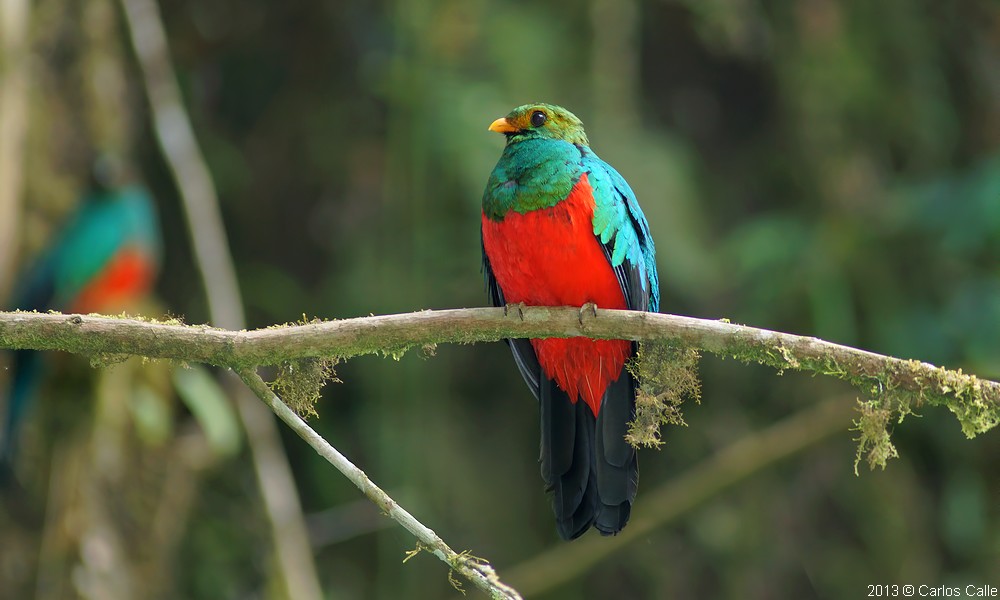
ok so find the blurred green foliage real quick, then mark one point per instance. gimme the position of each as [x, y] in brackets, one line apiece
[824, 167]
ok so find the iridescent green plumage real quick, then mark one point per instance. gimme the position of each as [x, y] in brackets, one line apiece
[539, 167]
[107, 254]
[543, 160]
[561, 227]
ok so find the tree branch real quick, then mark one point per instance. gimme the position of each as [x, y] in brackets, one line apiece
[976, 402]
[475, 570]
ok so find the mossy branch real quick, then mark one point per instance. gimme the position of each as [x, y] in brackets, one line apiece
[975, 401]
[892, 387]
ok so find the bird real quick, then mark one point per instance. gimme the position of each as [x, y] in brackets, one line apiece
[561, 227]
[104, 260]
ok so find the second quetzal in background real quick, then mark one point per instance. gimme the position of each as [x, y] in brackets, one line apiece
[561, 227]
[104, 260]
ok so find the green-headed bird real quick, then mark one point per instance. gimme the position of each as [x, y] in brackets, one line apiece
[104, 260]
[561, 227]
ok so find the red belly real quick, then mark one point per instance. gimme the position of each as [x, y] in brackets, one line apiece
[550, 257]
[124, 280]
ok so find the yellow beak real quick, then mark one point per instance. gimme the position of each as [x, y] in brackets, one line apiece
[502, 125]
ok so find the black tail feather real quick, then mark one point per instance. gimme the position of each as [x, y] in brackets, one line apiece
[567, 458]
[617, 466]
[587, 465]
[25, 374]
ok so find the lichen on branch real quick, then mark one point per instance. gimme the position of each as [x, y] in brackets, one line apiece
[913, 384]
[300, 382]
[894, 388]
[667, 376]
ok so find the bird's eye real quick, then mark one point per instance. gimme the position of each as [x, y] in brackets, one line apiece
[538, 118]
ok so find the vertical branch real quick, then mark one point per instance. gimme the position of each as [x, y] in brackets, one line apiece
[208, 237]
[14, 18]
[185, 161]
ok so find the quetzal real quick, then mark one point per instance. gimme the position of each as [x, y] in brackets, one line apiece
[561, 227]
[104, 260]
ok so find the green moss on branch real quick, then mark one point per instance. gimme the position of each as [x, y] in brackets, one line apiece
[974, 401]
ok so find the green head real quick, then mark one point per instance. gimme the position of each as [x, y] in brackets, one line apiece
[540, 120]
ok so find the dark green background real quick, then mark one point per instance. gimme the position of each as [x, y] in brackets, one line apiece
[822, 167]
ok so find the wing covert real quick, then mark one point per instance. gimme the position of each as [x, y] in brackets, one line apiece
[623, 232]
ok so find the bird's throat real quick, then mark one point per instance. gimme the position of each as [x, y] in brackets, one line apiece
[531, 175]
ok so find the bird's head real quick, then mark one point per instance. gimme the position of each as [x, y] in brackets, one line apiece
[540, 120]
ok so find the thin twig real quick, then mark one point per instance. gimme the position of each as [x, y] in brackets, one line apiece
[688, 491]
[94, 334]
[215, 263]
[475, 570]
[184, 158]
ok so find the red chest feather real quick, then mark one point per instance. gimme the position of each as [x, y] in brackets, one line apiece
[125, 279]
[550, 257]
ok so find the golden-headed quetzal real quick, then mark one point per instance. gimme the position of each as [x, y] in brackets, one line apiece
[104, 260]
[561, 227]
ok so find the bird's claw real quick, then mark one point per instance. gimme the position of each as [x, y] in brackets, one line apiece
[519, 307]
[588, 307]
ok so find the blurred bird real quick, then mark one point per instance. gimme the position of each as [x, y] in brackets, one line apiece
[104, 260]
[561, 227]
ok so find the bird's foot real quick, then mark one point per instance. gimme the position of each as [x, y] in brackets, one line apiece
[519, 307]
[589, 307]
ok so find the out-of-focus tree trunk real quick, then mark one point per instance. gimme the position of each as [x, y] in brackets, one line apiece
[101, 506]
[14, 19]
[615, 65]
